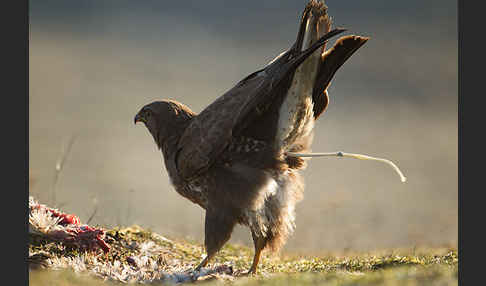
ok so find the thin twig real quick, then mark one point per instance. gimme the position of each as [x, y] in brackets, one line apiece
[60, 164]
[351, 155]
[92, 215]
[95, 202]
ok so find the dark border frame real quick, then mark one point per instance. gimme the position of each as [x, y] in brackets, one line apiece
[470, 58]
[14, 23]
[15, 20]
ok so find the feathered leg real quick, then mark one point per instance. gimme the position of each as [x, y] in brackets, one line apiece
[218, 229]
[260, 243]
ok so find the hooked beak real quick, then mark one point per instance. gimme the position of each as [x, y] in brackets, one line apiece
[138, 118]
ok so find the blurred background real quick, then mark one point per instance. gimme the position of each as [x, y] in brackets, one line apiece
[95, 63]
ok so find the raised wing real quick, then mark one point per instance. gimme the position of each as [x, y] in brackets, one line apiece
[331, 61]
[211, 131]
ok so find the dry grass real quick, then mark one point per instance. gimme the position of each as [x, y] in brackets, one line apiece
[139, 255]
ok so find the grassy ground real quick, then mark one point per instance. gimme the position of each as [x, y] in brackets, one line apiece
[438, 266]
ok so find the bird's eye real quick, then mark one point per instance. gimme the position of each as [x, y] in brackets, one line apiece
[148, 114]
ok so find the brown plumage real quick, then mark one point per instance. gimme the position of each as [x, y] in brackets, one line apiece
[231, 158]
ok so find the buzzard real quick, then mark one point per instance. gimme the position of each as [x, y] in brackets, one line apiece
[232, 158]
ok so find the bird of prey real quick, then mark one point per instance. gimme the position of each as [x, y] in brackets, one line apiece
[231, 159]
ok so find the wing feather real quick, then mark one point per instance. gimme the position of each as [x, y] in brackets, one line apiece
[211, 131]
[331, 61]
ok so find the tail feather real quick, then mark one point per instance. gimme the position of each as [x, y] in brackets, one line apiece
[331, 61]
[315, 11]
[293, 63]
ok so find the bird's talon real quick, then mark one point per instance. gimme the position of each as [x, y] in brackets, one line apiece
[250, 272]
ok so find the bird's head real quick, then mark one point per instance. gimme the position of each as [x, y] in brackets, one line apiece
[164, 119]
